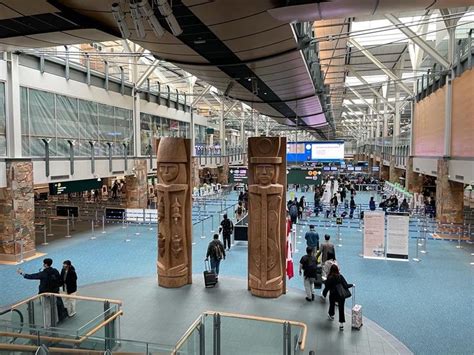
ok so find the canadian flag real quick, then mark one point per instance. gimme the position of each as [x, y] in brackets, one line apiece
[289, 254]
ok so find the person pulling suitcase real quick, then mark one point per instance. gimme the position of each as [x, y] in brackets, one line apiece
[215, 253]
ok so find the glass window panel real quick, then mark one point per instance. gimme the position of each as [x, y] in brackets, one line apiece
[145, 131]
[42, 121]
[3, 119]
[62, 147]
[106, 123]
[122, 124]
[88, 120]
[36, 147]
[165, 127]
[66, 117]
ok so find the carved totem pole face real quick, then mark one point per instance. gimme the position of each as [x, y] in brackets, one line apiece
[265, 174]
[168, 172]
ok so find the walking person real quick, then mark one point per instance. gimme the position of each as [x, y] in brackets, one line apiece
[293, 211]
[352, 207]
[69, 286]
[227, 228]
[309, 266]
[301, 207]
[334, 202]
[331, 260]
[372, 204]
[215, 252]
[326, 248]
[338, 289]
[312, 239]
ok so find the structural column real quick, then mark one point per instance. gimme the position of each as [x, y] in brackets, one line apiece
[137, 186]
[17, 212]
[449, 196]
[414, 181]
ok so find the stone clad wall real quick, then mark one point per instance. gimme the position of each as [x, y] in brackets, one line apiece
[17, 211]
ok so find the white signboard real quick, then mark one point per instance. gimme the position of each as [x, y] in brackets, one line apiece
[141, 215]
[397, 237]
[374, 234]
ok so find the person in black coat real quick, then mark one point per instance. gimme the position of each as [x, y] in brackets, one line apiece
[69, 286]
[48, 276]
[334, 279]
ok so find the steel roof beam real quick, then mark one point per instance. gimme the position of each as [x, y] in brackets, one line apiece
[380, 65]
[409, 33]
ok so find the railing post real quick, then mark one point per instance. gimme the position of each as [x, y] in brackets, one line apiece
[202, 337]
[217, 334]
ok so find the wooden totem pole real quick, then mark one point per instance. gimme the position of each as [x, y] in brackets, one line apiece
[267, 238]
[174, 212]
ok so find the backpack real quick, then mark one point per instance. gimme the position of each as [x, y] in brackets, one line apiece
[217, 251]
[293, 210]
[54, 281]
[227, 227]
[311, 269]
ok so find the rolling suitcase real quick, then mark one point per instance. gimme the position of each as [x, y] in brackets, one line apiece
[210, 277]
[319, 277]
[356, 315]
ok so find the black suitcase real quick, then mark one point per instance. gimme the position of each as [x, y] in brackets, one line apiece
[319, 277]
[210, 277]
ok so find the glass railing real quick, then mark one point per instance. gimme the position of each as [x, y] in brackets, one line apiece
[28, 340]
[47, 314]
[228, 333]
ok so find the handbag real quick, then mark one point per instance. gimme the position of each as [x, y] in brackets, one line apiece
[342, 292]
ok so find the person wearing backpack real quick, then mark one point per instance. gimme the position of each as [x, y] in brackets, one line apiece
[50, 281]
[49, 277]
[309, 266]
[227, 228]
[293, 211]
[215, 252]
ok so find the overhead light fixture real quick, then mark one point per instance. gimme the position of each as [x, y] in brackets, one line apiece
[120, 19]
[167, 12]
[137, 20]
[149, 15]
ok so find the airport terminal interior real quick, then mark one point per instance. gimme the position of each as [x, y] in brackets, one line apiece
[232, 177]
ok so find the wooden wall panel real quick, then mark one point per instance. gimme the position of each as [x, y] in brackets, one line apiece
[462, 141]
[428, 125]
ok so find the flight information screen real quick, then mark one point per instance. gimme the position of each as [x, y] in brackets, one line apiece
[327, 151]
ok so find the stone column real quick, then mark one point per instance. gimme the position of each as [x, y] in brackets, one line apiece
[414, 181]
[394, 173]
[449, 196]
[137, 186]
[17, 212]
[174, 212]
[267, 211]
[384, 171]
[223, 174]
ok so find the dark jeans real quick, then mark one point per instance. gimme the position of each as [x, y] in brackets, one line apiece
[351, 213]
[226, 241]
[332, 304]
[215, 265]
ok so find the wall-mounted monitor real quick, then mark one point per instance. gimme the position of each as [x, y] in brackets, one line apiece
[324, 151]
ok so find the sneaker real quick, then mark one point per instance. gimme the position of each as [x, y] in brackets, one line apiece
[341, 326]
[322, 298]
[312, 297]
[308, 299]
[330, 317]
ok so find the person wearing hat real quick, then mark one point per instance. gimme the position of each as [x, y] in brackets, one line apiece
[227, 228]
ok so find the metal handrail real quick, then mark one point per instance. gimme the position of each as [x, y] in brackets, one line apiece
[75, 297]
[199, 321]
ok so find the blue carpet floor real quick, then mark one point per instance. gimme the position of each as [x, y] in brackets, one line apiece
[428, 305]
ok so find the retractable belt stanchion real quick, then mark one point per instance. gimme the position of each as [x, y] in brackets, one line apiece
[93, 230]
[68, 235]
[339, 239]
[423, 245]
[150, 228]
[202, 229]
[103, 224]
[50, 234]
[45, 240]
[21, 252]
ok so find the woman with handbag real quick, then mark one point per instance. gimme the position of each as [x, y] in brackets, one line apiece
[338, 290]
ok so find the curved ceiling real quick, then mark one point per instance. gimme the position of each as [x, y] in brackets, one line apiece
[247, 43]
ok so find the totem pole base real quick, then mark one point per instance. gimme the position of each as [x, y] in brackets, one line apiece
[266, 293]
[173, 282]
